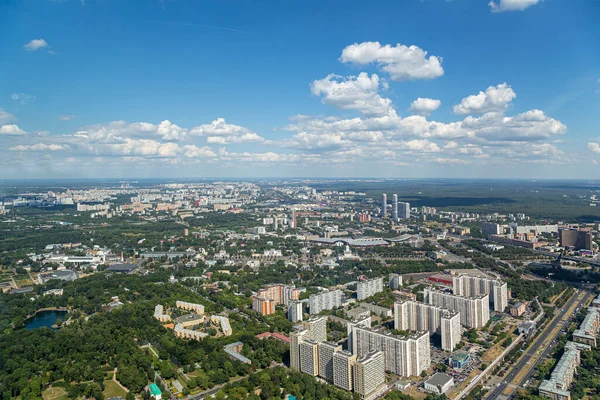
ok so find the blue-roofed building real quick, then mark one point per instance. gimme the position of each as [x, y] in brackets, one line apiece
[155, 391]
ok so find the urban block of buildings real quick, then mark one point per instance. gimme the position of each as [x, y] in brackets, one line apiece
[310, 353]
[268, 297]
[183, 324]
[474, 310]
[469, 285]
[414, 316]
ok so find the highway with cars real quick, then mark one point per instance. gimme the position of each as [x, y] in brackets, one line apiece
[537, 351]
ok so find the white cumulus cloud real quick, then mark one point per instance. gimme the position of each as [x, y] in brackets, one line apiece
[170, 131]
[512, 5]
[35, 44]
[424, 106]
[11, 130]
[400, 61]
[594, 147]
[353, 93]
[220, 132]
[494, 99]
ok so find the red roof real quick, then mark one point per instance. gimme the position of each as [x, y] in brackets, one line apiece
[274, 335]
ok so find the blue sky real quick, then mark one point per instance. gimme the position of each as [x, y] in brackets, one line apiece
[175, 88]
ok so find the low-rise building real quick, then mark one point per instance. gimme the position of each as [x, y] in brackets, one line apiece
[557, 387]
[439, 383]
[588, 330]
[518, 309]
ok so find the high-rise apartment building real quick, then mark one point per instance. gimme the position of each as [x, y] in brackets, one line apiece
[263, 305]
[384, 205]
[326, 351]
[395, 281]
[414, 316]
[491, 229]
[404, 356]
[296, 339]
[474, 311]
[365, 289]
[365, 322]
[369, 375]
[268, 297]
[395, 207]
[309, 357]
[343, 362]
[325, 301]
[451, 332]
[404, 210]
[317, 328]
[295, 311]
[469, 285]
[575, 238]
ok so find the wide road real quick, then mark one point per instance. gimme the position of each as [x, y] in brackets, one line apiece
[536, 352]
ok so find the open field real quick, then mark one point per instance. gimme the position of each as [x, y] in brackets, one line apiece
[112, 389]
[54, 393]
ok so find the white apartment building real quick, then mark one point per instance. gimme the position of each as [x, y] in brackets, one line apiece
[468, 285]
[474, 311]
[326, 351]
[296, 339]
[369, 376]
[410, 315]
[295, 312]
[395, 281]
[309, 357]
[365, 289]
[317, 328]
[451, 332]
[325, 301]
[404, 356]
[343, 362]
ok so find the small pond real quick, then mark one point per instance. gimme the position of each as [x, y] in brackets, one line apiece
[45, 318]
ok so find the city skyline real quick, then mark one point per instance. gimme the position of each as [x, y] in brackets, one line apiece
[172, 89]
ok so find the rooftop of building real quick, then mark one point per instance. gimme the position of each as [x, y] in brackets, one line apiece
[439, 379]
[122, 268]
[190, 318]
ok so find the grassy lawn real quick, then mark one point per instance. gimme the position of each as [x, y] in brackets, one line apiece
[57, 393]
[24, 282]
[111, 389]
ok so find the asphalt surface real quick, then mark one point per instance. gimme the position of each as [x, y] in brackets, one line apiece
[497, 393]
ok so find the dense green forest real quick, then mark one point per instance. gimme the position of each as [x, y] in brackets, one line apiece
[96, 342]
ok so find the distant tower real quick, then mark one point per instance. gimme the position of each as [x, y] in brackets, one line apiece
[294, 218]
[384, 206]
[395, 207]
